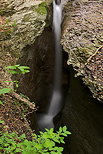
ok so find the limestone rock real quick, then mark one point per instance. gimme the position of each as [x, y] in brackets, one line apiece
[21, 22]
[82, 38]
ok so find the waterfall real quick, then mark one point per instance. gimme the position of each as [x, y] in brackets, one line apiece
[46, 120]
[56, 97]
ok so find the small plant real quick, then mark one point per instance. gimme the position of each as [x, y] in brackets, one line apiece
[1, 121]
[4, 90]
[15, 82]
[1, 103]
[45, 142]
[17, 69]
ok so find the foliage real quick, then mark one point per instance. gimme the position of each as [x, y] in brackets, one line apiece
[45, 142]
[1, 103]
[15, 82]
[17, 69]
[4, 90]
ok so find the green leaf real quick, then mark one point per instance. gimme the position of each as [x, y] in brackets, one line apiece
[18, 150]
[60, 149]
[17, 69]
[1, 121]
[49, 143]
[24, 67]
[1, 102]
[64, 134]
[62, 142]
[8, 81]
[67, 132]
[51, 130]
[5, 90]
[23, 136]
[12, 67]
[52, 152]
[64, 128]
[12, 72]
[60, 129]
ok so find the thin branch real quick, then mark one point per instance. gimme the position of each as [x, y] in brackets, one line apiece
[93, 55]
[17, 96]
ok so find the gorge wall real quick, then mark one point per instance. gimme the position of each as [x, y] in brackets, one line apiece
[82, 38]
[28, 40]
[21, 22]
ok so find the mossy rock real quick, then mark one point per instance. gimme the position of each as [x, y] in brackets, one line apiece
[42, 8]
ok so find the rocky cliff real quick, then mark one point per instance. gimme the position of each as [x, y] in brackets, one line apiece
[21, 21]
[26, 38]
[82, 38]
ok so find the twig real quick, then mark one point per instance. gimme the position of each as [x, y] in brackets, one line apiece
[93, 55]
[17, 96]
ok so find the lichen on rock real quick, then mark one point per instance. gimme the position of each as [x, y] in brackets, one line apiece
[82, 36]
[29, 23]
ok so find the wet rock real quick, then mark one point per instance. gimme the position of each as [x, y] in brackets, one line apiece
[83, 117]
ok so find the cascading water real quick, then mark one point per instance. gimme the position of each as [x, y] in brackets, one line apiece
[46, 120]
[56, 97]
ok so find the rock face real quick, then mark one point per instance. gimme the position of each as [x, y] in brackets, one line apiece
[21, 22]
[82, 38]
[39, 57]
[83, 116]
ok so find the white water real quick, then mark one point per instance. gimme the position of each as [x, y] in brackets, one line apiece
[46, 120]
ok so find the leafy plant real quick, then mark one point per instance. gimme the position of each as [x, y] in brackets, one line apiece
[45, 142]
[17, 69]
[15, 82]
[4, 90]
[1, 121]
[1, 103]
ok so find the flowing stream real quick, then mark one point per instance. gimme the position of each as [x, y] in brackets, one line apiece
[46, 120]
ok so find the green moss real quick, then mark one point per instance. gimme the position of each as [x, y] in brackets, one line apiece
[43, 4]
[42, 8]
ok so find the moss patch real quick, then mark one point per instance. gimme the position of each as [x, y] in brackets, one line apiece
[42, 8]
